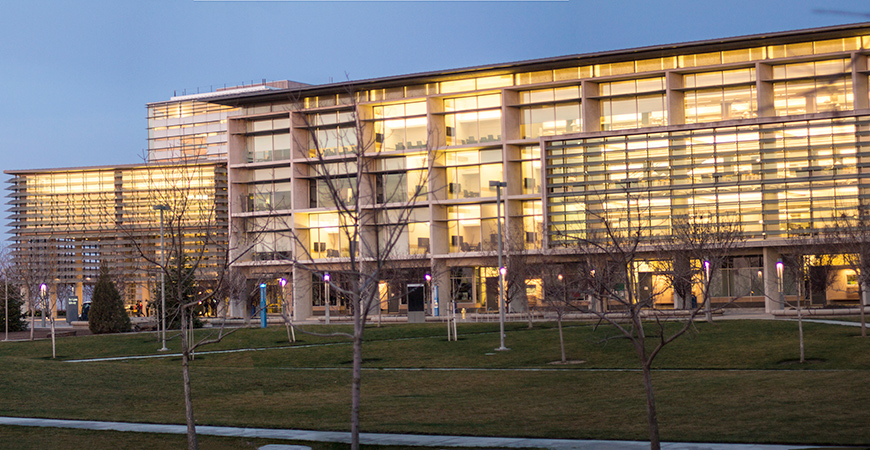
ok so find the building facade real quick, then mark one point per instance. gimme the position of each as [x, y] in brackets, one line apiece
[189, 127]
[68, 222]
[772, 131]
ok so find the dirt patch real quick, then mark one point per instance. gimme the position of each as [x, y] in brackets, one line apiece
[798, 362]
[570, 361]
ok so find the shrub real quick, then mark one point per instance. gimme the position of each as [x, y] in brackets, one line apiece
[185, 289]
[16, 317]
[107, 313]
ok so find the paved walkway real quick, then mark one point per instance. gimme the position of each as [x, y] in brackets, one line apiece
[382, 438]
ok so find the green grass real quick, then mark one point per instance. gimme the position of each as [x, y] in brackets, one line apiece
[732, 381]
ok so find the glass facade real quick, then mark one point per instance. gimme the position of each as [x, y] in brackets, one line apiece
[770, 132]
[776, 179]
[70, 221]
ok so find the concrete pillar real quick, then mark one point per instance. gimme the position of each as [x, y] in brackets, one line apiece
[860, 83]
[52, 302]
[772, 300]
[764, 90]
[679, 302]
[80, 294]
[441, 279]
[301, 286]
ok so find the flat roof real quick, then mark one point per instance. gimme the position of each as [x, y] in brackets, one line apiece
[202, 162]
[729, 43]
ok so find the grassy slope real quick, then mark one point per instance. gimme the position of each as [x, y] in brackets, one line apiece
[730, 381]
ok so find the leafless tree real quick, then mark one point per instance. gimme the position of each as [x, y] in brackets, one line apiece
[801, 263]
[374, 214]
[561, 284]
[34, 266]
[194, 258]
[699, 249]
[615, 245]
[849, 235]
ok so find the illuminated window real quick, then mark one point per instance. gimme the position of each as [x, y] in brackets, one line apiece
[633, 104]
[331, 133]
[479, 121]
[472, 228]
[811, 87]
[401, 127]
[546, 117]
[720, 96]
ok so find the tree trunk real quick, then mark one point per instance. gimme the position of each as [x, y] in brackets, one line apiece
[356, 382]
[53, 342]
[800, 324]
[708, 309]
[185, 370]
[561, 338]
[861, 306]
[652, 417]
[32, 322]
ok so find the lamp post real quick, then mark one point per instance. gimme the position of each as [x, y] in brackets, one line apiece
[162, 208]
[326, 285]
[6, 299]
[501, 269]
[708, 311]
[263, 322]
[428, 292]
[283, 282]
[779, 283]
[42, 289]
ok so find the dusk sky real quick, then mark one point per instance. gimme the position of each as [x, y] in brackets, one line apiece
[75, 75]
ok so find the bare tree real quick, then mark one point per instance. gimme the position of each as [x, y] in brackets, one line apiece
[799, 263]
[194, 258]
[34, 266]
[561, 282]
[374, 211]
[849, 235]
[700, 248]
[616, 244]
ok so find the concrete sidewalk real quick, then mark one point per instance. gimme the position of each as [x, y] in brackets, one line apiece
[383, 438]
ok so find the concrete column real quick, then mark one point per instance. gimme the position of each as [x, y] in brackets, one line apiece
[301, 286]
[52, 299]
[80, 293]
[441, 279]
[679, 302]
[860, 86]
[772, 299]
[591, 114]
[676, 106]
[764, 90]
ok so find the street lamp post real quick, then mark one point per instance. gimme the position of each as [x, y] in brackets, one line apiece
[326, 284]
[42, 289]
[6, 299]
[779, 283]
[162, 208]
[708, 311]
[428, 293]
[501, 269]
[283, 282]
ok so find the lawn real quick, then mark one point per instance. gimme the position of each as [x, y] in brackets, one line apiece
[732, 381]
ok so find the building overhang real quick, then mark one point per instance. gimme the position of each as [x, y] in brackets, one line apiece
[655, 51]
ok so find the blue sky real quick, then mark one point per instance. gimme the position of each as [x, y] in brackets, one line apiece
[75, 75]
